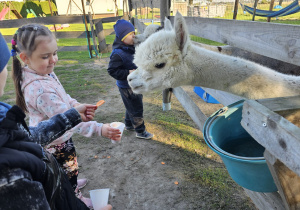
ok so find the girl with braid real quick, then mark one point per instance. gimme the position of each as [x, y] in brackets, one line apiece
[40, 93]
[30, 177]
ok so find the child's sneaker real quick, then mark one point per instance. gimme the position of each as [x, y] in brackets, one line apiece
[129, 128]
[144, 135]
[81, 183]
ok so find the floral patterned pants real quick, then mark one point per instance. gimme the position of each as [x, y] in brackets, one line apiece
[65, 154]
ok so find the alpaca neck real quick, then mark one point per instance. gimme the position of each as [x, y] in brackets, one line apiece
[237, 76]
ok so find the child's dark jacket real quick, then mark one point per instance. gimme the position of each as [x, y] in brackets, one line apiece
[29, 177]
[121, 61]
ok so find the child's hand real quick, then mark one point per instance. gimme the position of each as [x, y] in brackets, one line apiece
[109, 132]
[86, 111]
[107, 207]
[130, 71]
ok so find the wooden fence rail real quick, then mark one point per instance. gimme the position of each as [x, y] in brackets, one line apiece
[97, 31]
[259, 42]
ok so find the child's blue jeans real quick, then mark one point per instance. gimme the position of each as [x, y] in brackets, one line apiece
[134, 109]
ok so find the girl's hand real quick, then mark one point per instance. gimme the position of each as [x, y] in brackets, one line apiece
[86, 111]
[107, 207]
[109, 132]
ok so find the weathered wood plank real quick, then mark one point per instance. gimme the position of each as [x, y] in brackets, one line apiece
[290, 184]
[282, 103]
[266, 201]
[41, 20]
[72, 48]
[280, 66]
[109, 31]
[138, 3]
[279, 136]
[287, 182]
[68, 34]
[164, 10]
[108, 19]
[278, 41]
[93, 33]
[61, 19]
[101, 37]
[190, 107]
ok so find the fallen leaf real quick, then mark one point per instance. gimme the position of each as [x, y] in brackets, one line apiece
[108, 156]
[96, 156]
[163, 163]
[176, 182]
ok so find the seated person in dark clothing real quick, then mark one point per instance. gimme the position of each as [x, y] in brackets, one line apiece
[30, 178]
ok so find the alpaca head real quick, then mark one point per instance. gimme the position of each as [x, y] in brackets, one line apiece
[160, 59]
[150, 29]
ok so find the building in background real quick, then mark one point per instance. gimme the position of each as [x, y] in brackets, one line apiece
[96, 7]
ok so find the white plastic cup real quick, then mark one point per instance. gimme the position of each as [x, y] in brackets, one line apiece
[99, 198]
[120, 126]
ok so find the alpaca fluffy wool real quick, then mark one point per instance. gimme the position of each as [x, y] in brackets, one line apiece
[168, 59]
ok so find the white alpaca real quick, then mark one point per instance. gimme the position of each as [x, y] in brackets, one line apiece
[168, 59]
[150, 29]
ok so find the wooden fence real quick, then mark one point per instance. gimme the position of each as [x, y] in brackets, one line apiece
[96, 32]
[264, 43]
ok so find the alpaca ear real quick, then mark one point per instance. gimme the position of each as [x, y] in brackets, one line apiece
[168, 25]
[181, 31]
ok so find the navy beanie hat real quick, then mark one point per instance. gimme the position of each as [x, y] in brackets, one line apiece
[123, 28]
[4, 53]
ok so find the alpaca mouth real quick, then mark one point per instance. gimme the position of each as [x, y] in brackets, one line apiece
[138, 89]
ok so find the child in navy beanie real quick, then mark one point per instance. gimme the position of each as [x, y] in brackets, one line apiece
[123, 28]
[120, 66]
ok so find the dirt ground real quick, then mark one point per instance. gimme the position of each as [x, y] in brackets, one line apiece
[133, 169]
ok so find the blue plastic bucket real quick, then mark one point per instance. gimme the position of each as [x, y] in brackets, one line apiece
[241, 154]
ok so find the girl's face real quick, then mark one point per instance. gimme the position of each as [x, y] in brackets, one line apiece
[3, 77]
[44, 58]
[129, 39]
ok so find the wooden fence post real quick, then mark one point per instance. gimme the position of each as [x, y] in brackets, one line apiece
[254, 11]
[93, 34]
[236, 5]
[270, 9]
[165, 12]
[101, 37]
[87, 30]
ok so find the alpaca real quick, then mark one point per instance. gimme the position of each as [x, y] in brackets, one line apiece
[150, 29]
[168, 59]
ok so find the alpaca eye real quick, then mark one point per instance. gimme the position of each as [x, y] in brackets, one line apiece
[160, 65]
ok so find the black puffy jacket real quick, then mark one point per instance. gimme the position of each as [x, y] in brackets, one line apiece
[30, 178]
